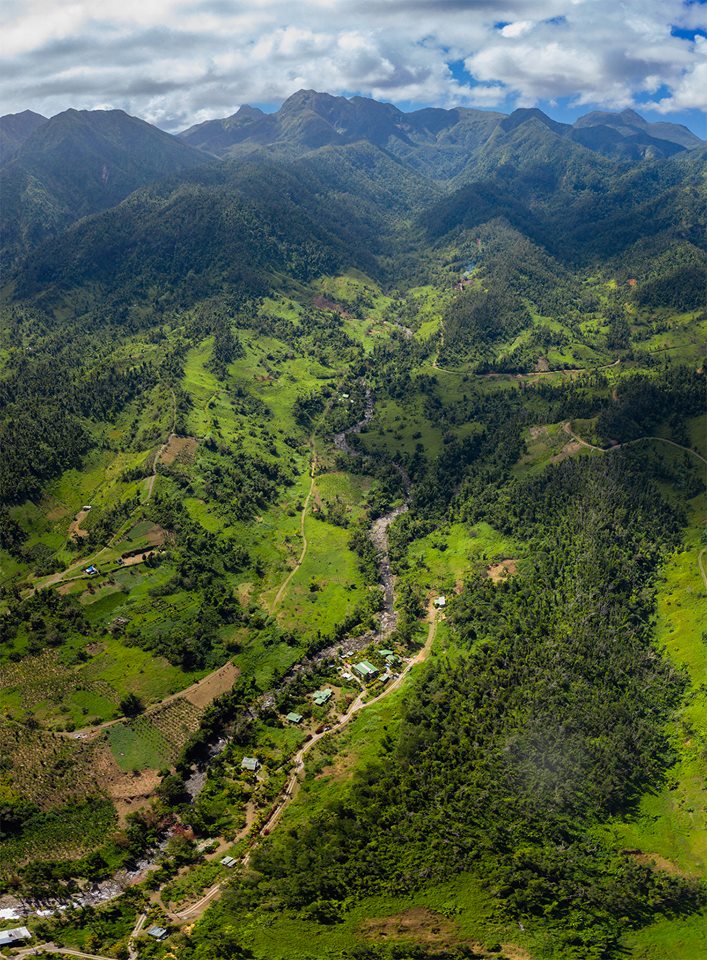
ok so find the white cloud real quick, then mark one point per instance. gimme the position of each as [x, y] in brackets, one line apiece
[690, 93]
[517, 29]
[179, 61]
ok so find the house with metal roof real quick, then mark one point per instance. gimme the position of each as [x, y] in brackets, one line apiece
[15, 935]
[386, 653]
[294, 717]
[322, 696]
[250, 763]
[365, 669]
[229, 862]
[440, 602]
[158, 933]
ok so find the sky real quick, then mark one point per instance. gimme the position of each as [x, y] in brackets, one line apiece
[179, 62]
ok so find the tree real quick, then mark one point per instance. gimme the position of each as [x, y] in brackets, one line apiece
[131, 705]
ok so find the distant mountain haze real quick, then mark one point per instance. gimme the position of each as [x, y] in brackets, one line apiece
[381, 163]
[77, 163]
[14, 130]
[308, 120]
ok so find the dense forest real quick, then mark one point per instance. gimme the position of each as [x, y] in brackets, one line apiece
[265, 402]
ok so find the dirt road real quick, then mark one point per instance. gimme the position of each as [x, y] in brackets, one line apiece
[52, 948]
[288, 579]
[195, 694]
[567, 427]
[701, 565]
[196, 909]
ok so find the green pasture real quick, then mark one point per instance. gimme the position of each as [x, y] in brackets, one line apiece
[444, 558]
[138, 745]
[672, 823]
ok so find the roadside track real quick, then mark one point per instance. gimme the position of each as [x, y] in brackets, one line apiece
[196, 909]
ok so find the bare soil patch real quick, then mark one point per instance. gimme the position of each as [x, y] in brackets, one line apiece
[542, 366]
[75, 525]
[341, 768]
[136, 558]
[514, 952]
[500, 571]
[324, 303]
[156, 535]
[205, 691]
[128, 791]
[656, 862]
[420, 925]
[182, 449]
[57, 512]
[569, 450]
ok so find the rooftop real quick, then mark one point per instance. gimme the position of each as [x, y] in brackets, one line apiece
[366, 668]
[250, 763]
[13, 935]
[322, 696]
[294, 717]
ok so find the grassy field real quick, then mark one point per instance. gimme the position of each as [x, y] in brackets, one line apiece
[671, 825]
[443, 559]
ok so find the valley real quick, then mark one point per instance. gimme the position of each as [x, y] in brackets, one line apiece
[352, 532]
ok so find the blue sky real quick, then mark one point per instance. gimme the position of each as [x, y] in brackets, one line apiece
[176, 62]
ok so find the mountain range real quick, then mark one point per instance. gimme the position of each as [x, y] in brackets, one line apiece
[56, 171]
[309, 120]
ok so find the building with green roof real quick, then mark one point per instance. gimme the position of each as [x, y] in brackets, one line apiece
[365, 669]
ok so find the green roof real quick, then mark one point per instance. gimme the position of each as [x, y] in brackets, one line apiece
[386, 653]
[322, 696]
[366, 668]
[294, 717]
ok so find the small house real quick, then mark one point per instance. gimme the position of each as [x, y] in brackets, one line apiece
[365, 669]
[294, 717]
[440, 602]
[158, 933]
[250, 763]
[229, 862]
[322, 696]
[15, 935]
[91, 570]
[346, 675]
[86, 507]
[386, 653]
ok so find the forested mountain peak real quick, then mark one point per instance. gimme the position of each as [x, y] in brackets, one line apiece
[630, 122]
[77, 163]
[527, 114]
[274, 394]
[14, 130]
[310, 120]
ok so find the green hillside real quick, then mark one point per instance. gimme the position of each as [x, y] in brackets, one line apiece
[259, 415]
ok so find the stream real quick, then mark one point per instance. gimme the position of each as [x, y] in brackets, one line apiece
[13, 908]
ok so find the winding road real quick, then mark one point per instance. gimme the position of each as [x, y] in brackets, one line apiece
[567, 427]
[379, 536]
[195, 910]
[288, 579]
